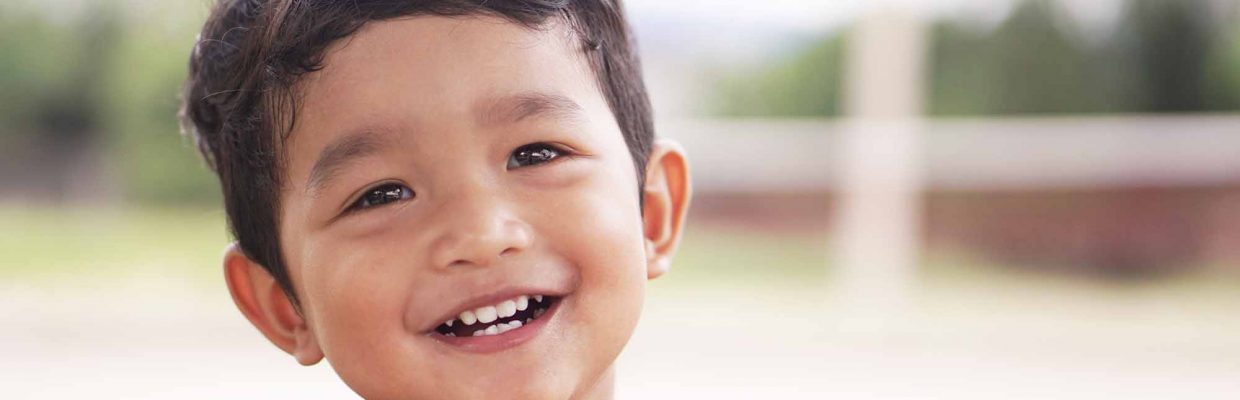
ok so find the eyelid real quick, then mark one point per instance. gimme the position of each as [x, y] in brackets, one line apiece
[566, 151]
[563, 153]
[569, 150]
[350, 202]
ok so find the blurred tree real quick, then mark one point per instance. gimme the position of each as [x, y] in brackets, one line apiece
[959, 67]
[51, 84]
[804, 85]
[1035, 62]
[1036, 65]
[88, 104]
[1223, 69]
[50, 102]
[1166, 56]
[144, 75]
[1169, 43]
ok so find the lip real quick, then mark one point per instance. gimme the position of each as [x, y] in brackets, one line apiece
[503, 341]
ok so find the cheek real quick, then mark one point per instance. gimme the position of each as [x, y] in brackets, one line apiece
[356, 292]
[600, 232]
[360, 307]
[600, 221]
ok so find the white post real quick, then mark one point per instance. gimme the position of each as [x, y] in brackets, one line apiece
[876, 229]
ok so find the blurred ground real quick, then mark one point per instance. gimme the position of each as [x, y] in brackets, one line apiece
[127, 304]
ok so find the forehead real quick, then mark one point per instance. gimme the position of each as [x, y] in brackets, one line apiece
[427, 76]
[426, 68]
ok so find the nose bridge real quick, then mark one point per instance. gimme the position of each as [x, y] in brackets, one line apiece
[477, 225]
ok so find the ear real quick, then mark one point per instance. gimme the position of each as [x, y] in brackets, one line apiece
[666, 194]
[263, 302]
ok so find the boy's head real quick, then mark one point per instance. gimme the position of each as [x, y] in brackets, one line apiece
[393, 169]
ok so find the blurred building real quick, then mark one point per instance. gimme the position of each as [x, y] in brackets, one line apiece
[1128, 195]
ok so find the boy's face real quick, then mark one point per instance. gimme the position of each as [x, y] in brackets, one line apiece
[441, 165]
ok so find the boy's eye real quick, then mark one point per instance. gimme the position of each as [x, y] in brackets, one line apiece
[532, 154]
[383, 194]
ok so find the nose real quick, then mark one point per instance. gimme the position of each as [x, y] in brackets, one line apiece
[477, 229]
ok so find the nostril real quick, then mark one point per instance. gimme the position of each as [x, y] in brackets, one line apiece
[484, 260]
[480, 244]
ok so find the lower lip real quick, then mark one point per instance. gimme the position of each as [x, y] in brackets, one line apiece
[503, 341]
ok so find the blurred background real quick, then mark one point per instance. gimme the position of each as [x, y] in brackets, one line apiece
[894, 199]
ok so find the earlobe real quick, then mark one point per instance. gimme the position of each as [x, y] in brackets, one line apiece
[259, 297]
[666, 196]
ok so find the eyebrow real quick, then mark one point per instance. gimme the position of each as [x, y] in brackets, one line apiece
[340, 153]
[367, 142]
[517, 107]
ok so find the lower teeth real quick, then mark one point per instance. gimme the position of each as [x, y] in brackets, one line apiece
[500, 328]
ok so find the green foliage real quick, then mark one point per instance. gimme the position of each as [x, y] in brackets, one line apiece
[807, 84]
[50, 85]
[1223, 72]
[145, 72]
[1169, 43]
[108, 78]
[1028, 65]
[960, 70]
[1166, 56]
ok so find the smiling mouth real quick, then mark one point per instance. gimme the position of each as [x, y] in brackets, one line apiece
[498, 318]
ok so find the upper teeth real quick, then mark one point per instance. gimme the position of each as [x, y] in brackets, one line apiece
[468, 317]
[496, 319]
[507, 309]
[488, 314]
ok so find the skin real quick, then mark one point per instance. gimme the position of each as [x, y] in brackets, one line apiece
[439, 100]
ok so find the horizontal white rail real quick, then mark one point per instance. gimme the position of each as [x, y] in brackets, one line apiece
[973, 154]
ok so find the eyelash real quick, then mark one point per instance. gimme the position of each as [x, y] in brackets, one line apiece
[381, 195]
[533, 154]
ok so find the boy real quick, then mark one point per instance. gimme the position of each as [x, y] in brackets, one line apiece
[438, 196]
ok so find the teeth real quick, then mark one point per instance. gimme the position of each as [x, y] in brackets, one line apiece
[508, 326]
[450, 334]
[468, 318]
[486, 314]
[506, 309]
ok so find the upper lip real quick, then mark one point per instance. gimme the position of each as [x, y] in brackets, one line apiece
[491, 298]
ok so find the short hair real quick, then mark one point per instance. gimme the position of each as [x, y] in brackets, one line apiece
[238, 102]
